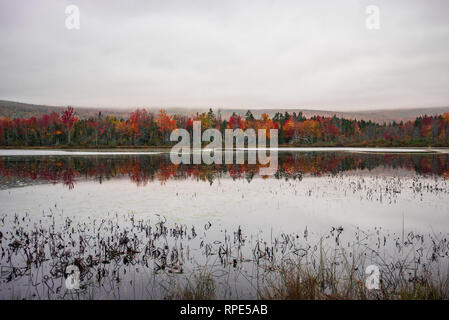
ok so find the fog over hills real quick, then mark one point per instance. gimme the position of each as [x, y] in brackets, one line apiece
[19, 109]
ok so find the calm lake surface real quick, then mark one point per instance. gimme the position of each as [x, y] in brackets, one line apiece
[391, 194]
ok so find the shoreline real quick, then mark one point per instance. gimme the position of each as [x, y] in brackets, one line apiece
[167, 147]
[159, 151]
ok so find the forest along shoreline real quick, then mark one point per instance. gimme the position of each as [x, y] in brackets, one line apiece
[145, 129]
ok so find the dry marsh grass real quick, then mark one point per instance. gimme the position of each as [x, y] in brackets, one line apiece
[138, 259]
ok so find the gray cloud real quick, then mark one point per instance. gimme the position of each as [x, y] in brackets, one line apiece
[249, 54]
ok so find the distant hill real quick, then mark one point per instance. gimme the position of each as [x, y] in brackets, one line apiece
[380, 116]
[18, 109]
[26, 110]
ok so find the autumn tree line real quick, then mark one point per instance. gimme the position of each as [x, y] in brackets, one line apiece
[144, 128]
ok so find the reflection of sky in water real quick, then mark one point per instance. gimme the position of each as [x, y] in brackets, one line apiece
[317, 190]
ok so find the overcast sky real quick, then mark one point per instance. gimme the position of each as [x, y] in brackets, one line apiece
[239, 54]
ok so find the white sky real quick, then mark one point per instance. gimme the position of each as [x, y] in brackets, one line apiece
[239, 54]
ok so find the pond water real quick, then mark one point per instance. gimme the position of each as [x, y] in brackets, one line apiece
[314, 193]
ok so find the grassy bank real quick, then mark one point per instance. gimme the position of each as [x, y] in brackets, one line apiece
[293, 281]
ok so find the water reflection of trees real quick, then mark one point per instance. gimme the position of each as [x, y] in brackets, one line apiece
[144, 169]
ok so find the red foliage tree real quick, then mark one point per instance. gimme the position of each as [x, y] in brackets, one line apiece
[69, 119]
